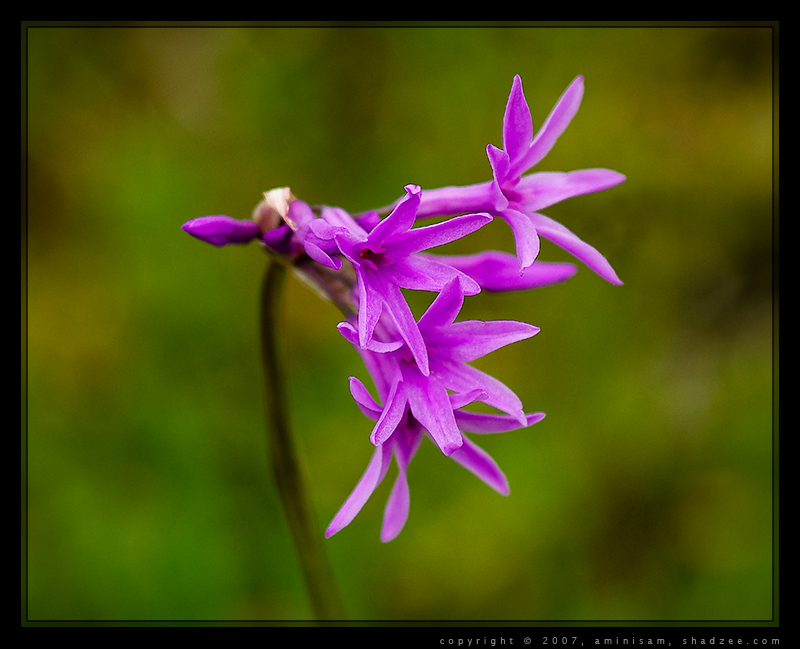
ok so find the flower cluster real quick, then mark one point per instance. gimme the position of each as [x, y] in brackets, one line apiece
[420, 367]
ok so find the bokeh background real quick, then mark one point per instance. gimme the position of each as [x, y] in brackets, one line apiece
[646, 493]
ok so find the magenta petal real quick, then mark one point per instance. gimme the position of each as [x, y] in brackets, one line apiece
[438, 234]
[401, 314]
[372, 477]
[364, 399]
[499, 271]
[299, 217]
[317, 254]
[525, 237]
[561, 236]
[517, 123]
[350, 334]
[396, 513]
[486, 423]
[444, 309]
[555, 124]
[546, 188]
[401, 218]
[430, 405]
[465, 398]
[472, 339]
[460, 377]
[449, 201]
[393, 411]
[500, 163]
[422, 272]
[369, 305]
[478, 461]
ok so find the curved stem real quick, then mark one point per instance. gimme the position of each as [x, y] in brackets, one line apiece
[286, 467]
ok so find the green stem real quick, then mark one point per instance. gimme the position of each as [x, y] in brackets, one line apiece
[286, 467]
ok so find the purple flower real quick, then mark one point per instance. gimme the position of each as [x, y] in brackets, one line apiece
[385, 260]
[517, 198]
[450, 346]
[414, 404]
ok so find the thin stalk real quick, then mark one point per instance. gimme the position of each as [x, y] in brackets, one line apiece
[286, 467]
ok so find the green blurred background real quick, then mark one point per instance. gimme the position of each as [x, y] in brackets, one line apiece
[646, 493]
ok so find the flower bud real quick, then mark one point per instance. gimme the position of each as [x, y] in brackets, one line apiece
[222, 230]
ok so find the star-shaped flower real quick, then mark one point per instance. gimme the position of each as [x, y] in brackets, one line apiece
[450, 346]
[385, 260]
[520, 198]
[517, 198]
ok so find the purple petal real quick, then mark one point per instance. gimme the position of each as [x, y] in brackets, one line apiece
[562, 237]
[317, 254]
[281, 240]
[350, 245]
[478, 461]
[500, 163]
[525, 237]
[401, 314]
[369, 304]
[368, 220]
[468, 340]
[350, 334]
[338, 218]
[486, 423]
[460, 377]
[364, 399]
[299, 217]
[517, 123]
[402, 217]
[464, 399]
[393, 411]
[546, 188]
[430, 405]
[499, 271]
[449, 201]
[555, 124]
[437, 234]
[396, 513]
[372, 477]
[444, 309]
[423, 272]
[222, 230]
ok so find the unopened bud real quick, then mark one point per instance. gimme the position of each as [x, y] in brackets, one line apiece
[221, 230]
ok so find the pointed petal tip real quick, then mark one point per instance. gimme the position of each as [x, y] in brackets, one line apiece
[450, 448]
[534, 418]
